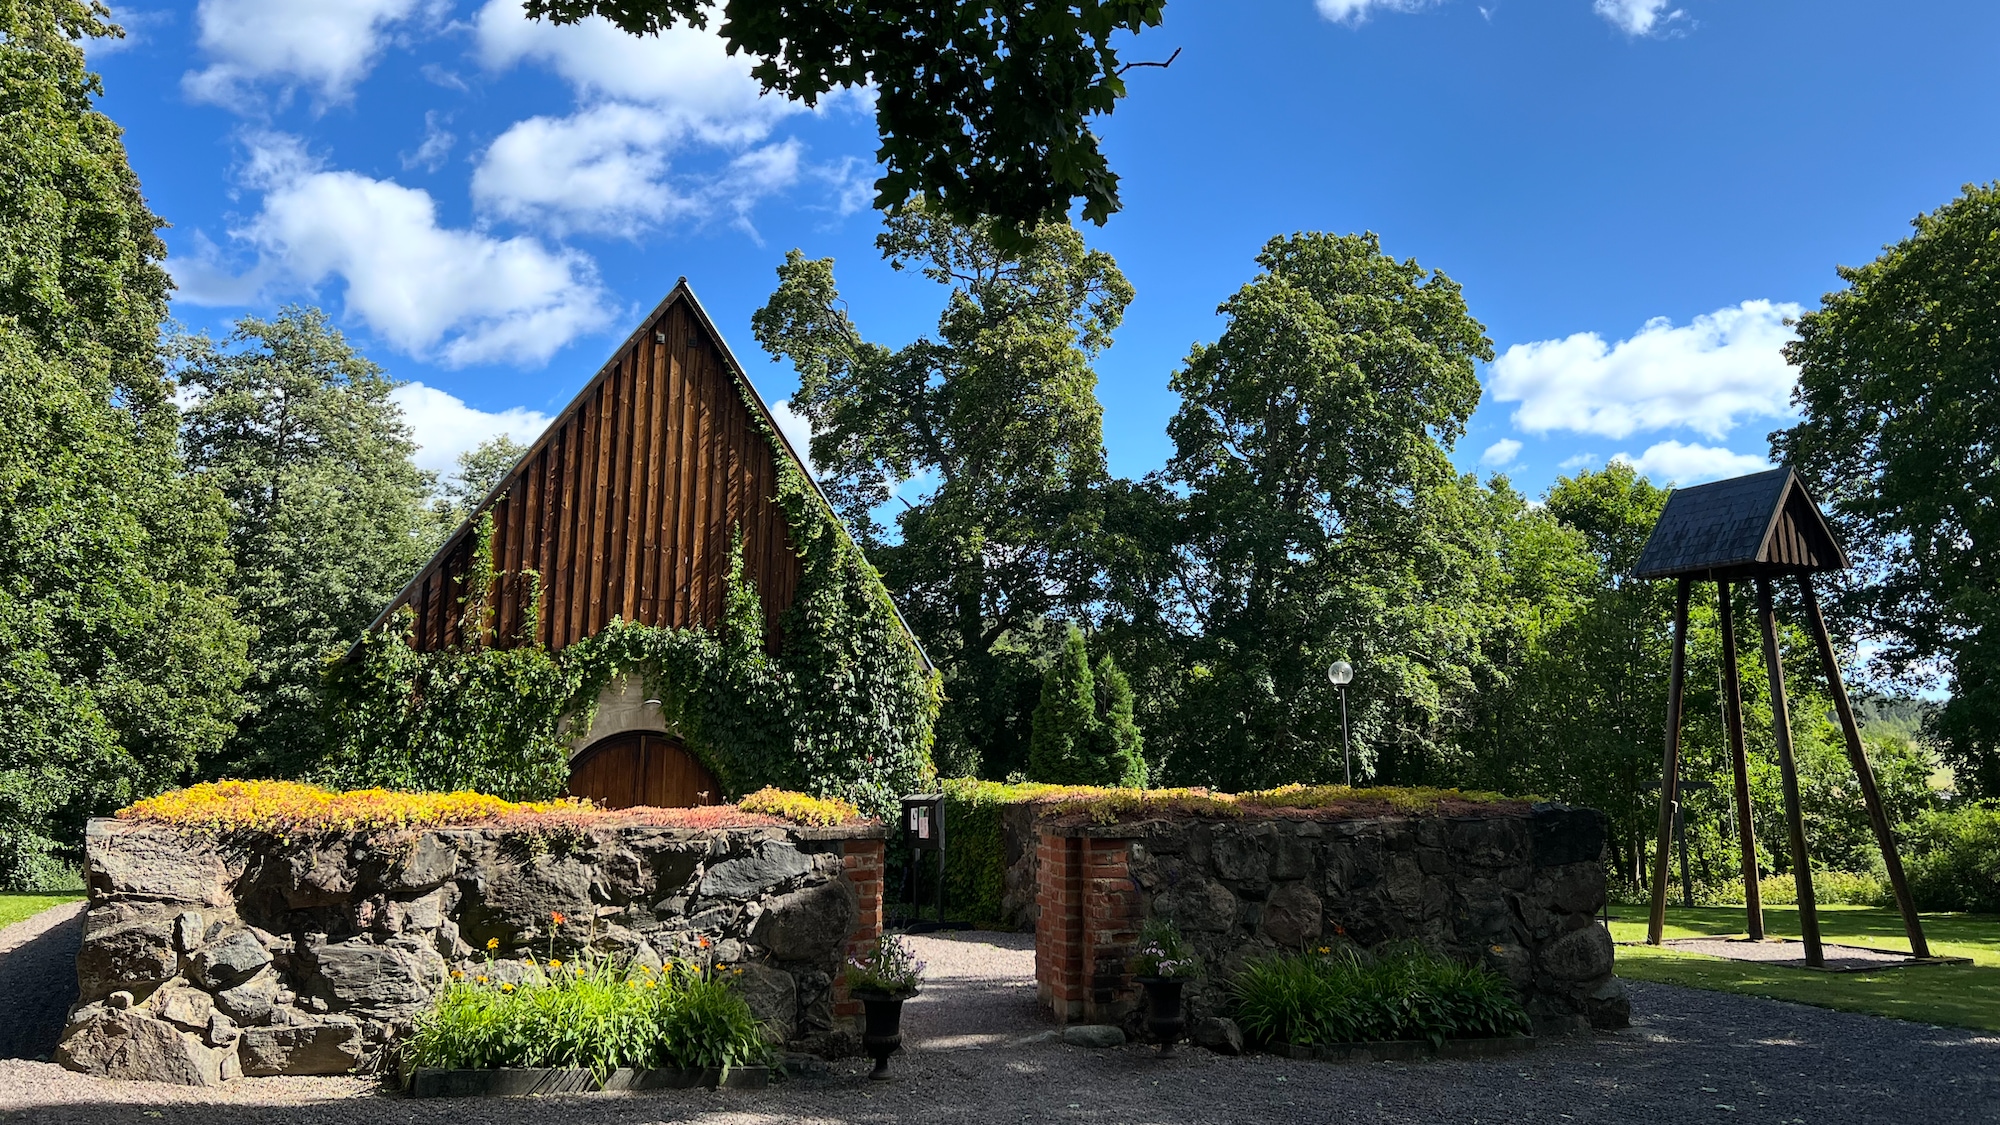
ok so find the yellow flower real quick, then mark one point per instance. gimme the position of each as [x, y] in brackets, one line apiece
[482, 980]
[555, 964]
[633, 983]
[507, 986]
[458, 974]
[493, 943]
[652, 984]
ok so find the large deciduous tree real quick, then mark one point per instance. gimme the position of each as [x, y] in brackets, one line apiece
[984, 108]
[118, 656]
[1322, 518]
[996, 417]
[329, 516]
[1900, 435]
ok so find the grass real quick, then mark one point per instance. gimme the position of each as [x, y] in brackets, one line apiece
[1953, 995]
[15, 908]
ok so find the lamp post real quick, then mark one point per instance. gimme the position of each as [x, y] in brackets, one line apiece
[1339, 674]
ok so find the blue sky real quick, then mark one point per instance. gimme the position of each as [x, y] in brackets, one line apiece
[1634, 193]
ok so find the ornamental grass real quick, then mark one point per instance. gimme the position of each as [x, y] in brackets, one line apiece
[286, 808]
[1337, 994]
[596, 1016]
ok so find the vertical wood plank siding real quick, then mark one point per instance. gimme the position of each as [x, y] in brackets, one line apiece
[627, 507]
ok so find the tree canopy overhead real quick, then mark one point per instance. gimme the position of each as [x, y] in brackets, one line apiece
[983, 108]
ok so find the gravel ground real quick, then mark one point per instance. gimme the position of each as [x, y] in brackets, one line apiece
[38, 980]
[1785, 951]
[973, 1056]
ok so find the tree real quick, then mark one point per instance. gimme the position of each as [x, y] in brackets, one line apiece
[479, 469]
[1322, 519]
[983, 108]
[1899, 421]
[119, 660]
[329, 516]
[1083, 729]
[998, 414]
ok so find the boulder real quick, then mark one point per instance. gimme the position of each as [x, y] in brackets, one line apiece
[390, 979]
[1581, 955]
[320, 876]
[135, 956]
[1241, 859]
[324, 1046]
[1198, 906]
[770, 862]
[428, 862]
[1292, 916]
[134, 1045]
[808, 925]
[251, 1001]
[228, 962]
[155, 864]
[1219, 1034]
[1094, 1035]
[189, 1008]
[1607, 1006]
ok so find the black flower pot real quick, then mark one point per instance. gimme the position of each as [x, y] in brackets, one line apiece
[882, 1033]
[1165, 1017]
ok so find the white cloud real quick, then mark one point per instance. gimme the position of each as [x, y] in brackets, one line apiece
[431, 155]
[1638, 17]
[684, 74]
[458, 296]
[1355, 11]
[327, 46]
[1672, 462]
[603, 169]
[444, 426]
[1577, 462]
[797, 430]
[1500, 454]
[1709, 376]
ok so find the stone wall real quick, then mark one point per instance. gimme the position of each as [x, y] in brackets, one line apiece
[204, 959]
[1513, 888]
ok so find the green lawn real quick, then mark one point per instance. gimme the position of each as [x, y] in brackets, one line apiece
[1958, 995]
[13, 908]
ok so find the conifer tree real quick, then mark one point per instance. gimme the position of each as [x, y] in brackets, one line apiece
[1083, 729]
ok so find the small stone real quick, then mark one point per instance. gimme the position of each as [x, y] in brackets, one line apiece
[250, 1002]
[1094, 1035]
[233, 959]
[187, 931]
[120, 1000]
[187, 1007]
[221, 1030]
[1219, 1034]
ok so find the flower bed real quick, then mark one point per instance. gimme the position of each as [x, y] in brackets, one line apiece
[1336, 997]
[287, 808]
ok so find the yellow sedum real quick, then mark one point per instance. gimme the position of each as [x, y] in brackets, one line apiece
[823, 812]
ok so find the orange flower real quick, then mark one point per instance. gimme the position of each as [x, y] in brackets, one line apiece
[556, 916]
[702, 942]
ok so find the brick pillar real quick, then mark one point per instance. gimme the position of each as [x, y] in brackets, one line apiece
[1086, 927]
[862, 861]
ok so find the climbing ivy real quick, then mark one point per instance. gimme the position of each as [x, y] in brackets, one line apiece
[844, 708]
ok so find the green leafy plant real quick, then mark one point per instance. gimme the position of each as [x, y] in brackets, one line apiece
[1163, 952]
[593, 1015]
[889, 967]
[1337, 994]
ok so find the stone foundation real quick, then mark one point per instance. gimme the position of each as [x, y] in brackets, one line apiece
[206, 959]
[1516, 889]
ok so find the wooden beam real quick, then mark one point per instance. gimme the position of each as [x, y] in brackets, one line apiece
[1781, 730]
[1885, 838]
[1670, 765]
[1739, 765]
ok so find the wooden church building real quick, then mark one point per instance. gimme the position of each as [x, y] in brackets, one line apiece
[628, 507]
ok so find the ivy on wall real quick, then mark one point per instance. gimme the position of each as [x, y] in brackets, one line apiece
[845, 707]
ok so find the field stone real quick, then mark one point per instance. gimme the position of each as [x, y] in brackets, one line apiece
[1094, 1035]
[390, 978]
[230, 961]
[1219, 1034]
[189, 1008]
[1292, 916]
[770, 862]
[325, 1046]
[1582, 954]
[1198, 906]
[187, 931]
[809, 924]
[162, 868]
[221, 1030]
[251, 1001]
[772, 994]
[133, 1045]
[134, 956]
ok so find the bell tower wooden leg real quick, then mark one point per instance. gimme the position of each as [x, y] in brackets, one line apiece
[1877, 817]
[1781, 730]
[1732, 704]
[1670, 766]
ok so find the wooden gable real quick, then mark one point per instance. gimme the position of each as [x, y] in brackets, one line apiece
[1764, 524]
[628, 505]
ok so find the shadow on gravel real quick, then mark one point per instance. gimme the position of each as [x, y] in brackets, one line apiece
[37, 987]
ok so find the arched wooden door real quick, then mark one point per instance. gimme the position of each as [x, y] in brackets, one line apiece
[642, 769]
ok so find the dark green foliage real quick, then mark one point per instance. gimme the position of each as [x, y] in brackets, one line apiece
[983, 107]
[844, 709]
[479, 469]
[1083, 732]
[1953, 859]
[119, 660]
[1899, 421]
[328, 516]
[1341, 995]
[975, 871]
[999, 407]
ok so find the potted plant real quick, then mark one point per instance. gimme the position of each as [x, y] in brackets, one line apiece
[1163, 966]
[882, 979]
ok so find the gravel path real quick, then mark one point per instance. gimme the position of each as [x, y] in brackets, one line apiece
[38, 979]
[1691, 1057]
[1785, 951]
